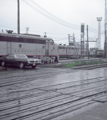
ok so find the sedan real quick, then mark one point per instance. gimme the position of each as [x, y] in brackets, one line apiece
[20, 60]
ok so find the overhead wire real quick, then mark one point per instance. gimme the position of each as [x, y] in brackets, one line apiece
[94, 30]
[42, 11]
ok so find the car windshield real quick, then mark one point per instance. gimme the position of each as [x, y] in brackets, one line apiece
[20, 56]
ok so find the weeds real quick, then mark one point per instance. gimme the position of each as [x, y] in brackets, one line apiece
[82, 62]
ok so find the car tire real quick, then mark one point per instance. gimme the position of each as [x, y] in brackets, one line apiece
[33, 66]
[21, 65]
[3, 64]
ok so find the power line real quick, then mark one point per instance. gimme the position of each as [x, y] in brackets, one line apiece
[44, 10]
[92, 29]
[95, 30]
[58, 19]
[50, 16]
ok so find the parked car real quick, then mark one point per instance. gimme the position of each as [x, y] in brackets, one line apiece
[20, 60]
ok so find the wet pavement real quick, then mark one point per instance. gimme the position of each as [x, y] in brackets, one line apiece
[53, 93]
[93, 112]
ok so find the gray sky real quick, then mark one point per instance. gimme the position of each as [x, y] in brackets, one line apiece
[57, 18]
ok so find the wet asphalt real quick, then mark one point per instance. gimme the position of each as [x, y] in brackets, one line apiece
[46, 93]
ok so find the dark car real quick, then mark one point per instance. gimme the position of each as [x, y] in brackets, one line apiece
[20, 60]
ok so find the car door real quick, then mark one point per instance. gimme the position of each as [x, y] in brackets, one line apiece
[10, 60]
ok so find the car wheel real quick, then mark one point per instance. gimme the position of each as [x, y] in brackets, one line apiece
[21, 65]
[3, 64]
[33, 66]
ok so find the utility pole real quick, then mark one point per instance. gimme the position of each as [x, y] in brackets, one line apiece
[87, 44]
[18, 15]
[105, 44]
[82, 40]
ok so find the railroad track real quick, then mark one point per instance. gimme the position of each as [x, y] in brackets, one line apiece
[22, 101]
[90, 67]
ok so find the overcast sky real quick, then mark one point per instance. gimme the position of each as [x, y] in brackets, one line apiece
[57, 18]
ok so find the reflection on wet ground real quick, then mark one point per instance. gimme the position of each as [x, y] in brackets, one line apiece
[46, 93]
